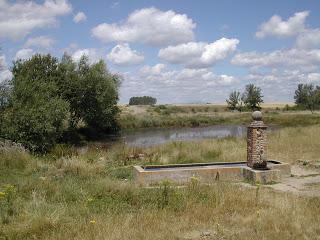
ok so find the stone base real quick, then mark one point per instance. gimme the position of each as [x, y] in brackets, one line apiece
[262, 176]
[210, 172]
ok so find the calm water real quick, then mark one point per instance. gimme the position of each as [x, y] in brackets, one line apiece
[151, 137]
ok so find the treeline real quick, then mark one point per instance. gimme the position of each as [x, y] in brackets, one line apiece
[145, 100]
[307, 97]
[250, 99]
[48, 99]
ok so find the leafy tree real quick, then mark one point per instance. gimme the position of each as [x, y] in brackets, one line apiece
[252, 97]
[68, 87]
[47, 97]
[234, 102]
[307, 96]
[145, 100]
[92, 92]
[37, 114]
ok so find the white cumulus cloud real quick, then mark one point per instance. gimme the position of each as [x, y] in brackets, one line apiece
[5, 73]
[199, 54]
[148, 25]
[277, 27]
[91, 53]
[176, 86]
[309, 39]
[185, 76]
[2, 62]
[152, 70]
[80, 17]
[314, 77]
[292, 58]
[39, 42]
[24, 54]
[18, 19]
[122, 54]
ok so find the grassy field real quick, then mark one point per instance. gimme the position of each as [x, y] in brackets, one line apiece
[135, 117]
[89, 193]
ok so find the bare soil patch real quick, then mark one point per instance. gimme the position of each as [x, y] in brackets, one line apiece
[304, 182]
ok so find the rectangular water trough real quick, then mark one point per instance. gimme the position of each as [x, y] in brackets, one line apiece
[210, 172]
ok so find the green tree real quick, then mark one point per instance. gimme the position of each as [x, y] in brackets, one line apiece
[92, 92]
[37, 114]
[47, 98]
[234, 102]
[307, 96]
[69, 87]
[145, 100]
[252, 97]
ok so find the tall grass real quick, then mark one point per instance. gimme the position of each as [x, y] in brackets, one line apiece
[90, 194]
[13, 158]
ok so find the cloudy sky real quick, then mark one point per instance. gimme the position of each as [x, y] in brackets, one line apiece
[179, 51]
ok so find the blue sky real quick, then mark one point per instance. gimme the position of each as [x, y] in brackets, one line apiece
[179, 51]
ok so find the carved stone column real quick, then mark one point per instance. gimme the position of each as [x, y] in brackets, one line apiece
[257, 142]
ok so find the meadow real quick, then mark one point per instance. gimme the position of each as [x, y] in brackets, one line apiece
[89, 193]
[159, 116]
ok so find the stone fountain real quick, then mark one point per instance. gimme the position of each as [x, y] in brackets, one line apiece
[257, 168]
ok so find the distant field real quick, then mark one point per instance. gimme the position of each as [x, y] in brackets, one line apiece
[138, 109]
[134, 117]
[276, 105]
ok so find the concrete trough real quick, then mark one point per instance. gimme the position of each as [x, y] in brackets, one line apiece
[209, 172]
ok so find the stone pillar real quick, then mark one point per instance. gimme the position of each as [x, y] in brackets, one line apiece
[257, 142]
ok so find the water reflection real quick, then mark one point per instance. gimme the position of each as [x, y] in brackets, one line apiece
[152, 137]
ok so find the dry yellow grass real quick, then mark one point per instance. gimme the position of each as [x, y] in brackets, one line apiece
[85, 195]
[274, 105]
[291, 145]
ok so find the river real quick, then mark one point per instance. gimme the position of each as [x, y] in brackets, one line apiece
[151, 137]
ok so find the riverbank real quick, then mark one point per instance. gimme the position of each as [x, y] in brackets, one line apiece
[164, 116]
[89, 193]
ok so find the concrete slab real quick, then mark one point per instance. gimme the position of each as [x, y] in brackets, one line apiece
[210, 172]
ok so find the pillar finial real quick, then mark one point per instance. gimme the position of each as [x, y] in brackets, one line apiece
[257, 116]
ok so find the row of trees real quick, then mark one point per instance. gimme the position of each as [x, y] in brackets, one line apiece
[47, 98]
[307, 96]
[145, 100]
[251, 99]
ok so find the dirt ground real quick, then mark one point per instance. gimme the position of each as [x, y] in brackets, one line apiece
[304, 181]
